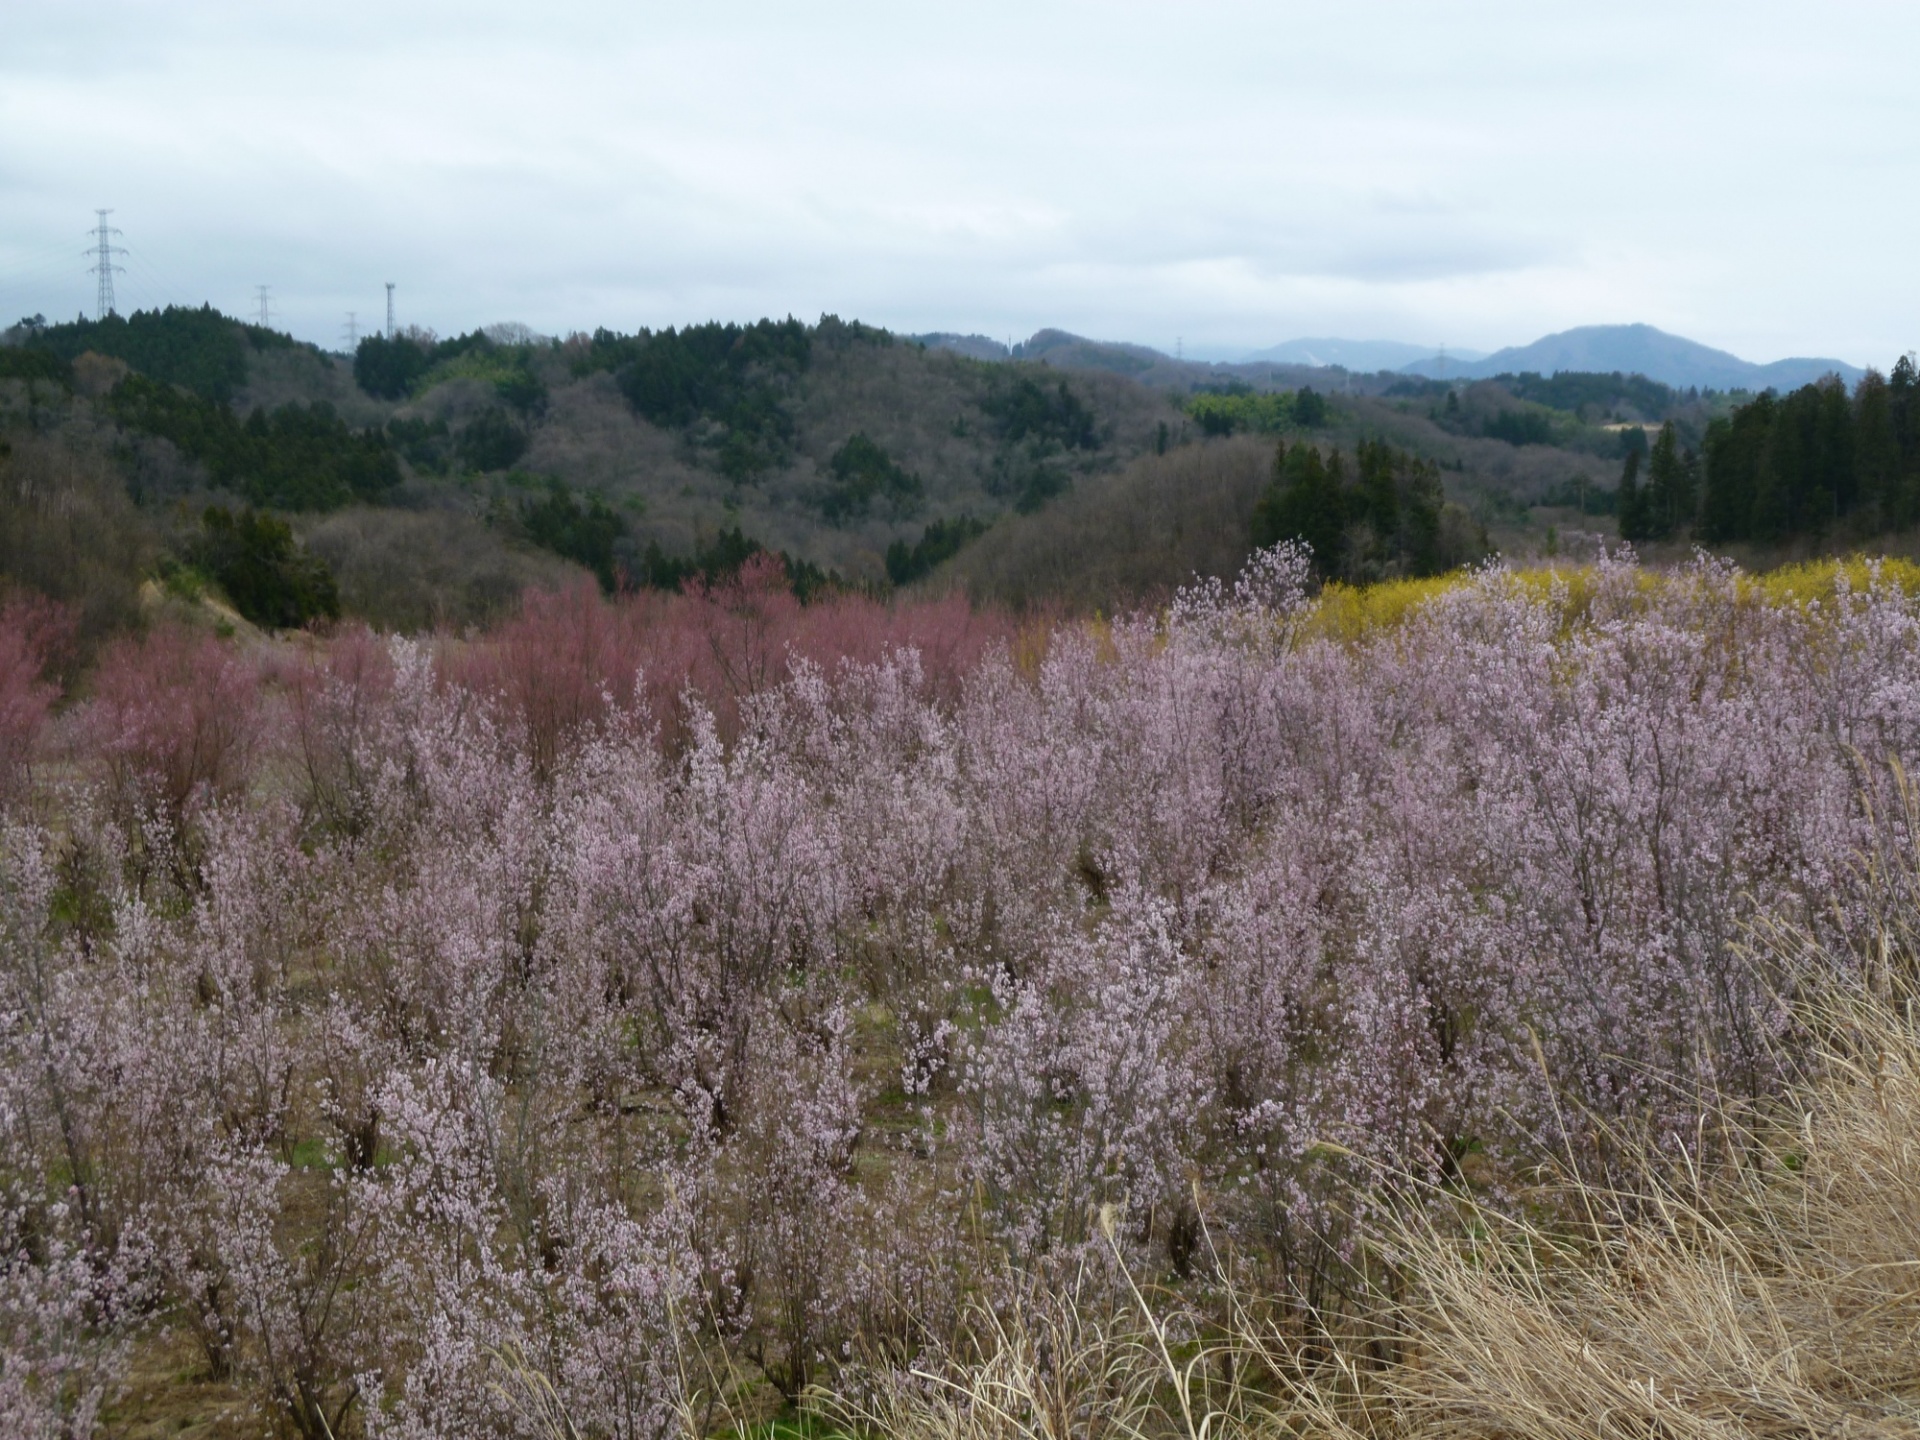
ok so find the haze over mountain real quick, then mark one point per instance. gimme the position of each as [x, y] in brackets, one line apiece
[1637, 350]
[1597, 349]
[1365, 356]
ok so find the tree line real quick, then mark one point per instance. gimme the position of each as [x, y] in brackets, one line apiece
[298, 457]
[1385, 515]
[724, 385]
[201, 349]
[399, 367]
[1786, 467]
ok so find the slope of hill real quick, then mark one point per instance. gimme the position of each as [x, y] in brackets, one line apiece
[1642, 350]
[940, 435]
[1123, 539]
[437, 478]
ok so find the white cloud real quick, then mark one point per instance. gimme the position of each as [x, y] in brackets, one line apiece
[1477, 173]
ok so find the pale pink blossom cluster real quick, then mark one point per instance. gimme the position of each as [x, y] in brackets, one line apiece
[444, 1033]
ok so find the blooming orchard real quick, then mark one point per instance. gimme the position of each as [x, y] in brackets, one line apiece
[440, 1034]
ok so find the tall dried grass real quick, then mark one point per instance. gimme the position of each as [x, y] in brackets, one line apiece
[1760, 1279]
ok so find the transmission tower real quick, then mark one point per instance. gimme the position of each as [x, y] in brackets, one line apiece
[389, 309]
[103, 252]
[266, 307]
[352, 331]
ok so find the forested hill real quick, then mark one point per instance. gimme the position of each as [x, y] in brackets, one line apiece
[434, 477]
[428, 480]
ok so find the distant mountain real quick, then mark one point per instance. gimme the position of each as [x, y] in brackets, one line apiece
[1361, 356]
[1637, 350]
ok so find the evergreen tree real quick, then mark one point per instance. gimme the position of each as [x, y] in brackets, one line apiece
[1305, 503]
[1385, 521]
[1735, 447]
[1663, 513]
[1903, 404]
[1633, 508]
[270, 577]
[1687, 491]
[1877, 450]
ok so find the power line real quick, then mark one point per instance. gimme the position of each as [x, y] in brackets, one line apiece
[32, 276]
[266, 308]
[352, 331]
[103, 267]
[389, 309]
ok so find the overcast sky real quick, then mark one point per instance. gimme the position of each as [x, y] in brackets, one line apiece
[1474, 174]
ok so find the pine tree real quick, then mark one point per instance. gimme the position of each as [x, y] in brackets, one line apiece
[1903, 396]
[1633, 503]
[1661, 501]
[1876, 450]
[1306, 502]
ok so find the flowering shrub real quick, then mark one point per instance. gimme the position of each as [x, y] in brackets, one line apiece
[30, 630]
[666, 989]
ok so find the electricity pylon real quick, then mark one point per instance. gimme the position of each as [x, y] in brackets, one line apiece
[103, 252]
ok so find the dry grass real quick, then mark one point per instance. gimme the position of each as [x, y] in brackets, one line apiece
[1777, 1294]
[1761, 1281]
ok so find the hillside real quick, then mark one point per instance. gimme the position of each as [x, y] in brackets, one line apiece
[428, 481]
[436, 478]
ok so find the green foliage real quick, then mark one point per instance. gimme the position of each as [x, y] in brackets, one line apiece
[1669, 500]
[723, 384]
[1519, 427]
[1673, 486]
[298, 458]
[1784, 467]
[1029, 480]
[387, 369]
[711, 563]
[838, 334]
[1037, 426]
[492, 441]
[1635, 517]
[719, 561]
[1237, 409]
[1308, 502]
[863, 472]
[267, 575]
[201, 349]
[426, 445]
[1578, 391]
[1384, 520]
[940, 541]
[393, 369]
[18, 363]
[586, 534]
[508, 369]
[1241, 412]
[1025, 411]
